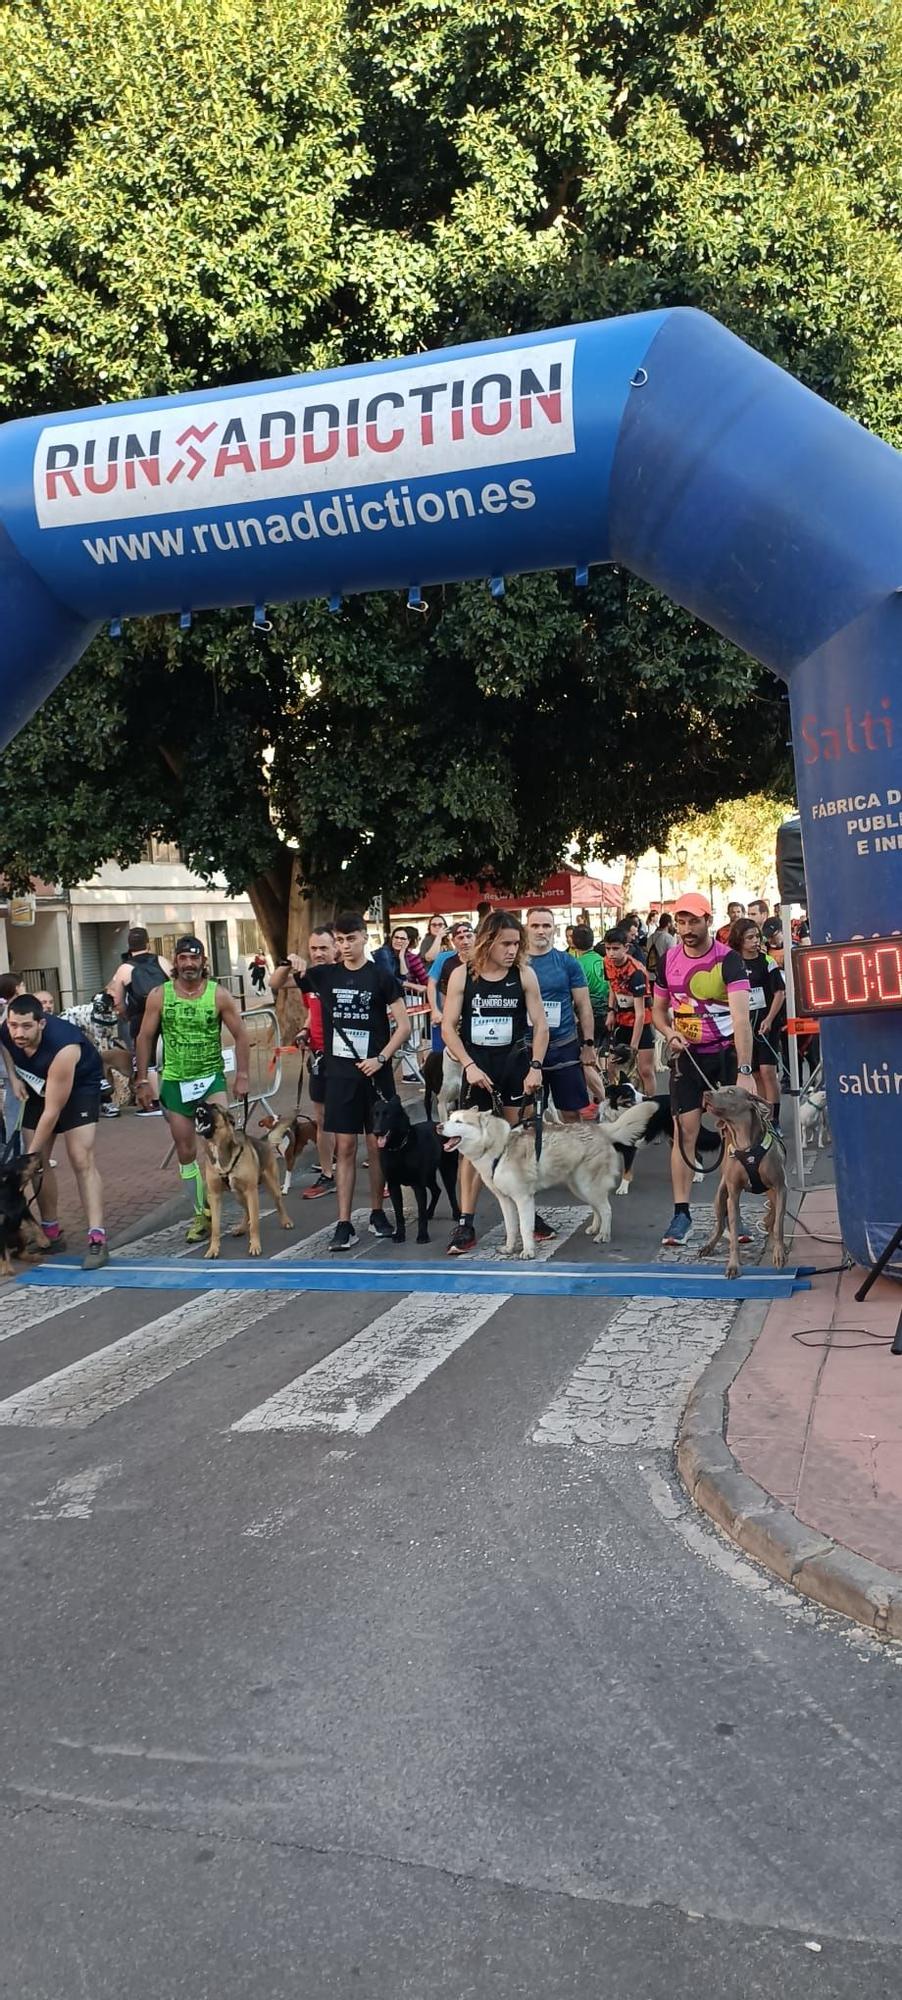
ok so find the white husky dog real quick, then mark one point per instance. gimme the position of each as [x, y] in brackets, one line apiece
[590, 1160]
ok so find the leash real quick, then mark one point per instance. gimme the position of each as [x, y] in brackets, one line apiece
[696, 1165]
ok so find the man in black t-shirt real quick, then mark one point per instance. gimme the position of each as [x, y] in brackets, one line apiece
[365, 1022]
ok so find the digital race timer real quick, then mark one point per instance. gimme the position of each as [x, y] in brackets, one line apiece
[863, 977]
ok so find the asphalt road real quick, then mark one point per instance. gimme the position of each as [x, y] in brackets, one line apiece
[327, 1671]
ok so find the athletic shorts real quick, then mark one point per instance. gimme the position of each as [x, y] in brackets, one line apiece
[82, 1108]
[507, 1073]
[172, 1100]
[437, 1042]
[564, 1079]
[687, 1088]
[623, 1038]
[316, 1084]
[348, 1100]
[763, 1056]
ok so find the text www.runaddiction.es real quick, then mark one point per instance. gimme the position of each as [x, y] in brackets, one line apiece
[339, 514]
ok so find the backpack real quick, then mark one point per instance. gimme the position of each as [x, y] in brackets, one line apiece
[147, 973]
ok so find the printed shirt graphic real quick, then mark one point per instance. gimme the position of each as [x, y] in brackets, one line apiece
[356, 1003]
[192, 1036]
[57, 1035]
[559, 976]
[697, 990]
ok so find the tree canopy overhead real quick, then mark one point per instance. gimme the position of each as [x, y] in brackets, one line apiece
[197, 193]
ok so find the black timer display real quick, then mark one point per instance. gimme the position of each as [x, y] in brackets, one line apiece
[858, 978]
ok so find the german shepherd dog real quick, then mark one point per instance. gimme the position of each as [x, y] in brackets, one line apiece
[235, 1160]
[19, 1233]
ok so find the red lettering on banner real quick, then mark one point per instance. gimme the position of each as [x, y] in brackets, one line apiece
[830, 743]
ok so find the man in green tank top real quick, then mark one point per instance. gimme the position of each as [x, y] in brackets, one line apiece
[191, 1010]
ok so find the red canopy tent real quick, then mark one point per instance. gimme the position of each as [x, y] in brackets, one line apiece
[562, 891]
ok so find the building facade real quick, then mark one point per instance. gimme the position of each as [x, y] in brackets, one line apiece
[74, 941]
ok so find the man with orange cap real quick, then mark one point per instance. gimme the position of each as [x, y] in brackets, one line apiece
[701, 1007]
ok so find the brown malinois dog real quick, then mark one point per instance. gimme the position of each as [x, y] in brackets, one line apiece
[753, 1159]
[235, 1160]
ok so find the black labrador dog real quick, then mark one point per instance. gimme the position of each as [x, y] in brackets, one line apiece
[412, 1156]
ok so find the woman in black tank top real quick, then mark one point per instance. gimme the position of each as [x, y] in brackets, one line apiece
[493, 1023]
[489, 1006]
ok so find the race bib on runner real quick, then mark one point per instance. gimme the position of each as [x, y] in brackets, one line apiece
[359, 1039]
[552, 1013]
[756, 996]
[490, 1031]
[721, 1020]
[197, 1088]
[688, 1025]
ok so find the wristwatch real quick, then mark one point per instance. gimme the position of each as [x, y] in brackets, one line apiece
[744, 1069]
[590, 1044]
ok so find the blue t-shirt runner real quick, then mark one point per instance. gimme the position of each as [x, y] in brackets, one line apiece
[560, 976]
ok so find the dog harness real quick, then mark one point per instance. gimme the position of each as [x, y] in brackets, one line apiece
[750, 1157]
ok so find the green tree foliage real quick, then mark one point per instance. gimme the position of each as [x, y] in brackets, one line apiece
[196, 193]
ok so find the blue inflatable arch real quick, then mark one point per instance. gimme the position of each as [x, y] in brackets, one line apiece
[659, 442]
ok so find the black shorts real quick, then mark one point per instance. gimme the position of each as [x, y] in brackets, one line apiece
[316, 1082]
[623, 1038]
[507, 1073]
[687, 1088]
[82, 1108]
[762, 1054]
[348, 1100]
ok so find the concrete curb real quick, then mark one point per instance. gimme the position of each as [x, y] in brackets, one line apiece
[816, 1565]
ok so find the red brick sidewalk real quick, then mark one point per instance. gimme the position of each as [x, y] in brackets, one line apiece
[815, 1415]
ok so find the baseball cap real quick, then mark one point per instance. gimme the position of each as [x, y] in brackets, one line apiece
[188, 943]
[693, 904]
[456, 929]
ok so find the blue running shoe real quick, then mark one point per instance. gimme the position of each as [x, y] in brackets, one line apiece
[678, 1229]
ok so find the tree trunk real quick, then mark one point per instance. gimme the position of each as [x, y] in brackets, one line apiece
[629, 875]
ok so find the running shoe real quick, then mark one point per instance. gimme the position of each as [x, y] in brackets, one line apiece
[96, 1254]
[462, 1239]
[53, 1244]
[149, 1110]
[542, 1230]
[109, 1111]
[323, 1184]
[678, 1229]
[345, 1236]
[380, 1226]
[199, 1228]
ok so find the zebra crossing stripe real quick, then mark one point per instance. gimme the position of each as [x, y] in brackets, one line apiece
[75, 1397]
[350, 1391]
[631, 1387]
[23, 1308]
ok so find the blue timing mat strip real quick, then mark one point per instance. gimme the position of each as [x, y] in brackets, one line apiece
[613, 1281]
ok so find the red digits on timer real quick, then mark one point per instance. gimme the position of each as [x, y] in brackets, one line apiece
[842, 978]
